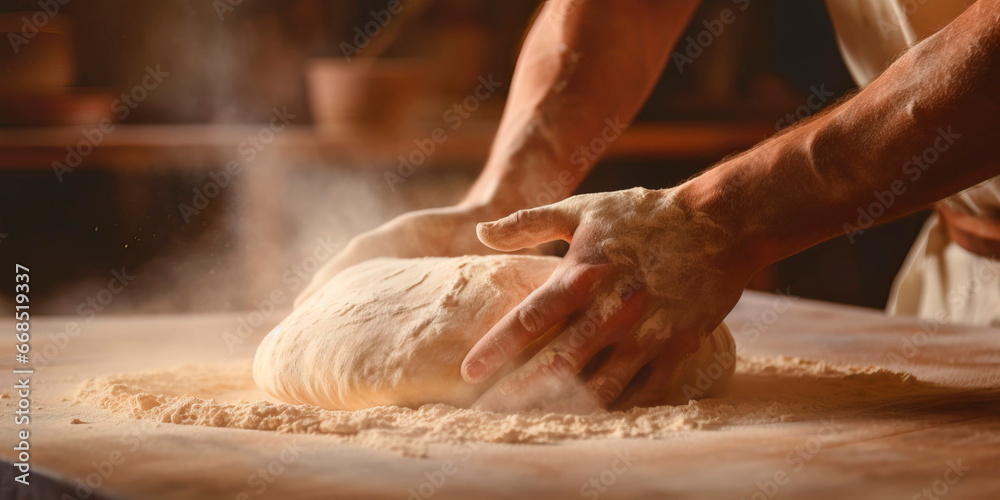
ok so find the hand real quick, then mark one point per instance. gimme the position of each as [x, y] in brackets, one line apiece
[435, 232]
[644, 280]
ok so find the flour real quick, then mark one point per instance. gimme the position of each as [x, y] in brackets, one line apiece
[663, 240]
[654, 325]
[764, 391]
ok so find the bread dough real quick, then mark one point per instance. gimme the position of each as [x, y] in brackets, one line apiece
[395, 331]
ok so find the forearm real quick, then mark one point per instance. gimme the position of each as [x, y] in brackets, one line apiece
[925, 129]
[584, 71]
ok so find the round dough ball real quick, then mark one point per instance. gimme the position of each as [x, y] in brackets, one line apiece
[395, 331]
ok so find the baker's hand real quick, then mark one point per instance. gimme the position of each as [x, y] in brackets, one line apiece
[435, 232]
[644, 278]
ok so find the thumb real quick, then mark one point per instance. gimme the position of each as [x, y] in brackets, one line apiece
[528, 228]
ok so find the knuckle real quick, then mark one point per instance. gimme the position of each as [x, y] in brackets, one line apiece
[576, 338]
[520, 217]
[530, 318]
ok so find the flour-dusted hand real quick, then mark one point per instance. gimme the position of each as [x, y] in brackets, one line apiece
[644, 279]
[435, 232]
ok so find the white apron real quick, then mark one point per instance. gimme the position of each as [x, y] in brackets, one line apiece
[940, 281]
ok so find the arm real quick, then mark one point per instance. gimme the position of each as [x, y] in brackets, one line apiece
[585, 63]
[923, 130]
[585, 66]
[678, 259]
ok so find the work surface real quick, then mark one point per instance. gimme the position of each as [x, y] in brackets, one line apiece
[948, 445]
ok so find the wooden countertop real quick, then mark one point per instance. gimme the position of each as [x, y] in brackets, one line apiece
[896, 455]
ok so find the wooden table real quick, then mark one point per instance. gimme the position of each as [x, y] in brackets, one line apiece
[896, 455]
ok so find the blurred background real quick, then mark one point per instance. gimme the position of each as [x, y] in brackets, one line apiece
[196, 155]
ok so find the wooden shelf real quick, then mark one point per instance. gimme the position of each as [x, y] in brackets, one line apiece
[199, 146]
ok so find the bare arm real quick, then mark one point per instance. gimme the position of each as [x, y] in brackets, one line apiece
[925, 129]
[586, 65]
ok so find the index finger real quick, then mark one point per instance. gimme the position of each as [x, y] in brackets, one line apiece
[533, 317]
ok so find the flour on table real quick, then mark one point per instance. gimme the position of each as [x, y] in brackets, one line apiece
[395, 331]
[764, 391]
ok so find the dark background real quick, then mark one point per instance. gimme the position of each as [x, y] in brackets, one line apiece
[120, 208]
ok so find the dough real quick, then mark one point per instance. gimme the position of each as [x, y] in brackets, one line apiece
[395, 331]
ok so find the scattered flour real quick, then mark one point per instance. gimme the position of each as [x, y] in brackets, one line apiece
[763, 391]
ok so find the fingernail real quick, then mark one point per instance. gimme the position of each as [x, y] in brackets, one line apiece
[474, 370]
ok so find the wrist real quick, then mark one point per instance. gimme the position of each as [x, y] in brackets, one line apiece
[489, 202]
[721, 195]
[528, 177]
